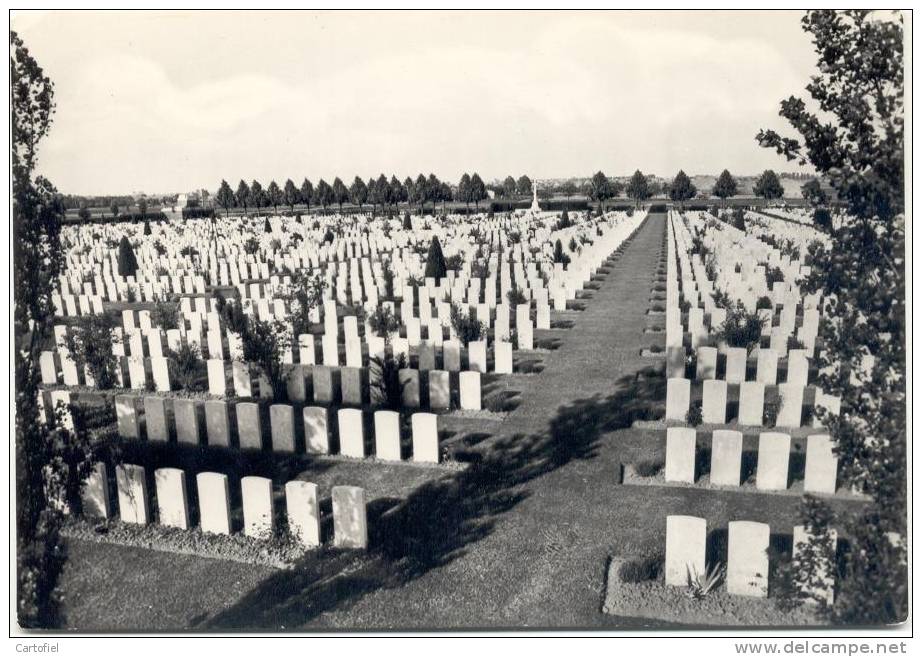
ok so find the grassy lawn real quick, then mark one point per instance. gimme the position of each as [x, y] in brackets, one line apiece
[117, 588]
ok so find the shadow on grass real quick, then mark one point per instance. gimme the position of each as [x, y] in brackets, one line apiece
[441, 521]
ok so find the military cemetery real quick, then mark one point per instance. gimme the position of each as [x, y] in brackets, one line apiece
[508, 401]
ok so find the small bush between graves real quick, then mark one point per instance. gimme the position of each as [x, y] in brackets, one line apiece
[386, 385]
[468, 328]
[515, 296]
[263, 343]
[741, 328]
[694, 416]
[187, 369]
[90, 345]
[165, 315]
[383, 322]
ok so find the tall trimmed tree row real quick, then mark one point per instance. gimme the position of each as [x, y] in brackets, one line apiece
[291, 194]
[600, 189]
[726, 186]
[358, 192]
[242, 195]
[638, 188]
[478, 190]
[307, 193]
[274, 196]
[681, 188]
[225, 197]
[340, 193]
[257, 196]
[768, 186]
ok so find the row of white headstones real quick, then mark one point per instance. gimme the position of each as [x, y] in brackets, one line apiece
[157, 419]
[740, 276]
[171, 501]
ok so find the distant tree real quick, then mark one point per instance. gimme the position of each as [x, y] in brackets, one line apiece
[435, 260]
[83, 212]
[340, 193]
[243, 195]
[568, 189]
[127, 263]
[478, 190]
[599, 189]
[638, 189]
[523, 186]
[464, 190]
[291, 194]
[814, 194]
[768, 186]
[257, 196]
[433, 190]
[142, 205]
[420, 192]
[410, 188]
[445, 194]
[856, 142]
[114, 208]
[225, 197]
[681, 188]
[398, 192]
[726, 186]
[385, 191]
[323, 194]
[358, 192]
[509, 186]
[274, 196]
[307, 193]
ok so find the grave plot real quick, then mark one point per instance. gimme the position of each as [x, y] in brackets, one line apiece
[742, 405]
[326, 346]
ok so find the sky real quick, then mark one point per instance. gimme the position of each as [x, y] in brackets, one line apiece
[172, 101]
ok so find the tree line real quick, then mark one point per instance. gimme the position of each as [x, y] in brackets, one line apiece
[376, 192]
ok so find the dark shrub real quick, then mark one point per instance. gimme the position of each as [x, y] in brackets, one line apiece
[127, 263]
[741, 328]
[386, 386]
[515, 296]
[90, 345]
[435, 261]
[165, 315]
[822, 218]
[466, 327]
[693, 418]
[187, 369]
